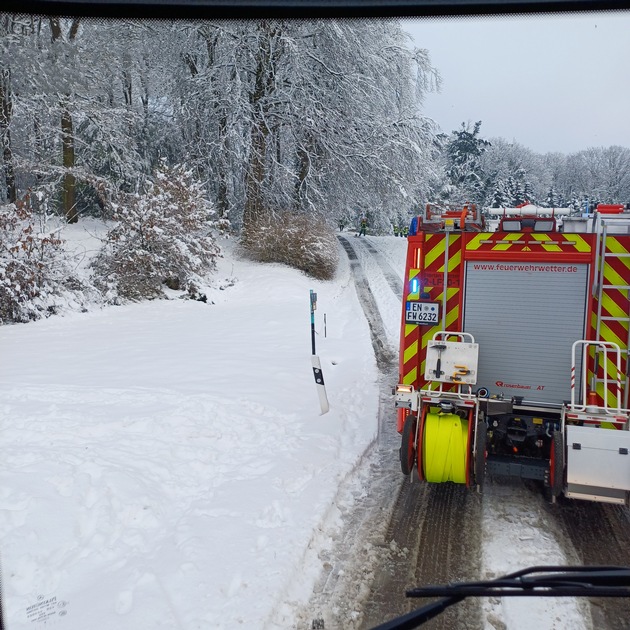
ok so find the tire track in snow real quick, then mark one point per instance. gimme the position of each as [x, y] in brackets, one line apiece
[358, 550]
[600, 535]
[385, 356]
[393, 279]
[401, 533]
[424, 534]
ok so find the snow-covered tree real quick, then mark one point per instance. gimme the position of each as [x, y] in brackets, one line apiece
[161, 238]
[554, 199]
[463, 151]
[334, 118]
[499, 197]
[32, 265]
[7, 36]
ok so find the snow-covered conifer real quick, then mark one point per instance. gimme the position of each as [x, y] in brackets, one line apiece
[463, 167]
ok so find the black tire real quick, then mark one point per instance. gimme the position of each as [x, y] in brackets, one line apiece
[480, 454]
[408, 445]
[556, 466]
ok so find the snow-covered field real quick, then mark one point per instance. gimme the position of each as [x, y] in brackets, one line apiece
[166, 465]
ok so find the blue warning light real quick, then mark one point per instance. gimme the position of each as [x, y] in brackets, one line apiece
[414, 286]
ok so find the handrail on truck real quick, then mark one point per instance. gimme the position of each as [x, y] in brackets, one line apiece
[605, 347]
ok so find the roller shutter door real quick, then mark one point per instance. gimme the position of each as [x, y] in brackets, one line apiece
[525, 318]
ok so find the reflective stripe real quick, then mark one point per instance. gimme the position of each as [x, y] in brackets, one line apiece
[454, 261]
[503, 247]
[615, 246]
[612, 398]
[612, 307]
[543, 238]
[435, 247]
[411, 377]
[580, 244]
[607, 334]
[615, 302]
[475, 242]
[528, 241]
[410, 351]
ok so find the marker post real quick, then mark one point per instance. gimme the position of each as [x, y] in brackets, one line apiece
[317, 368]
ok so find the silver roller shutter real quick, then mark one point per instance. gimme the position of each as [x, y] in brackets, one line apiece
[525, 318]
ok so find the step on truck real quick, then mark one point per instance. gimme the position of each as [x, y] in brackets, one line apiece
[514, 349]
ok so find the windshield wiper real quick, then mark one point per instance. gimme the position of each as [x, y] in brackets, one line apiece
[544, 581]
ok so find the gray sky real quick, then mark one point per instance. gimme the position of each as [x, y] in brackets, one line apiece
[551, 83]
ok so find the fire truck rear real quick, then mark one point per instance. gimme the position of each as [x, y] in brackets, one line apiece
[514, 349]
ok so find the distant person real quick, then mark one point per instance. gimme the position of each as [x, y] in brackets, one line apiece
[363, 226]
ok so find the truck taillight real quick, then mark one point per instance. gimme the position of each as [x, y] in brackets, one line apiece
[404, 389]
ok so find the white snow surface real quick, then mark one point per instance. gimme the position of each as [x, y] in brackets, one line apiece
[166, 465]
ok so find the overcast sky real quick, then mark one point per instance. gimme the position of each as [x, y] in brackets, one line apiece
[551, 83]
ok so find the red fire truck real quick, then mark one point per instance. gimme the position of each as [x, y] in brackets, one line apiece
[514, 349]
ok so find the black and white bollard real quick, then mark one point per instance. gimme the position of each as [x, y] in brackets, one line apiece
[319, 381]
[317, 368]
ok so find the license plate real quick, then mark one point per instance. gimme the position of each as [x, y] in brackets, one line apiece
[422, 313]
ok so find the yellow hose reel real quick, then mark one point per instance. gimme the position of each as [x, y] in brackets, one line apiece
[445, 448]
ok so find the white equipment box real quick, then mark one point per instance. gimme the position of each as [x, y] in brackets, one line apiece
[598, 463]
[452, 362]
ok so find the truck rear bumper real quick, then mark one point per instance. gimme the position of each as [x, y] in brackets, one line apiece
[514, 466]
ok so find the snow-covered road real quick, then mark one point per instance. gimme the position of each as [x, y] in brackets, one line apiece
[516, 528]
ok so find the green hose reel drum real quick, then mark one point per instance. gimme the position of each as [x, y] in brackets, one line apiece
[445, 447]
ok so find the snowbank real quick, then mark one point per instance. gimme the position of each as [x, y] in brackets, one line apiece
[166, 464]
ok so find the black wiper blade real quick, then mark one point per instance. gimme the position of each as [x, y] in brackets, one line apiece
[418, 617]
[543, 581]
[555, 590]
[552, 581]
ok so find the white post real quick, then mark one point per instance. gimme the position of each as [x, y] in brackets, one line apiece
[317, 368]
[319, 381]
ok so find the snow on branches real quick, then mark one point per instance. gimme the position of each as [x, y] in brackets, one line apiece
[161, 238]
[302, 241]
[32, 266]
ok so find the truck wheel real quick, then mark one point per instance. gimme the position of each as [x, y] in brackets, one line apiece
[480, 455]
[420, 443]
[408, 446]
[556, 466]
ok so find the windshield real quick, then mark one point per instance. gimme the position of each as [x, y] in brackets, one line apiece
[204, 230]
